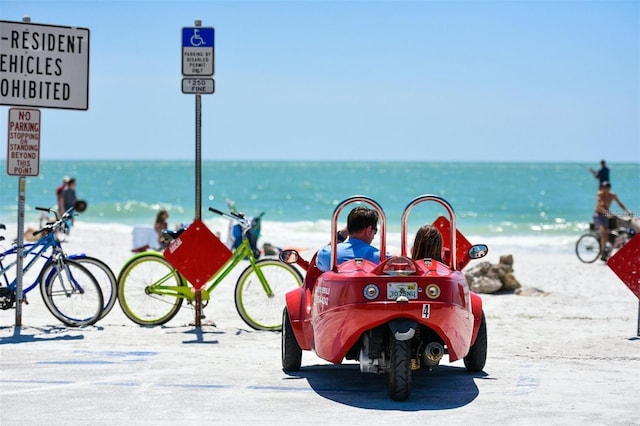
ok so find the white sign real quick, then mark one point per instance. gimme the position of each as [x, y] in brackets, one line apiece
[44, 65]
[201, 86]
[198, 51]
[23, 149]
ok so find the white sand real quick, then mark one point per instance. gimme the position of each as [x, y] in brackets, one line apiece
[569, 357]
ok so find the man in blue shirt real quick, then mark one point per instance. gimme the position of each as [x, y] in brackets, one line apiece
[362, 226]
[603, 174]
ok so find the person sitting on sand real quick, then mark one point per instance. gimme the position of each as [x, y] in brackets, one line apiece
[427, 244]
[604, 198]
[160, 225]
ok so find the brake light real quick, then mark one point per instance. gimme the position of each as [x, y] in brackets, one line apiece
[371, 291]
[399, 266]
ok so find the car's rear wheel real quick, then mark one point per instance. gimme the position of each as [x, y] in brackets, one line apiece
[400, 369]
[477, 356]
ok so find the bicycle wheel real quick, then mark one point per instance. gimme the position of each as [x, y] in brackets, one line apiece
[72, 294]
[259, 310]
[588, 248]
[102, 273]
[144, 290]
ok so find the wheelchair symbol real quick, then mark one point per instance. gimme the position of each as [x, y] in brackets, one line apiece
[196, 39]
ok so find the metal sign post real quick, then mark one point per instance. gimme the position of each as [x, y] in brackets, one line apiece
[22, 183]
[23, 159]
[198, 60]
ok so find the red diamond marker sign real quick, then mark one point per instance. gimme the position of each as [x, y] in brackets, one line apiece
[197, 254]
[626, 265]
[462, 244]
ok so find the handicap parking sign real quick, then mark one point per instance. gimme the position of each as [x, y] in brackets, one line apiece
[198, 51]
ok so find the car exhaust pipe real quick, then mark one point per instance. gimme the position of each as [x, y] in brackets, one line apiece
[432, 354]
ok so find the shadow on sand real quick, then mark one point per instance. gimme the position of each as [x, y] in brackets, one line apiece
[40, 334]
[199, 333]
[443, 388]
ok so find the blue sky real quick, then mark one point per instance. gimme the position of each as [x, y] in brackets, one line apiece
[354, 80]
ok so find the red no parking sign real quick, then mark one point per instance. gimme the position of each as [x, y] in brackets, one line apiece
[23, 147]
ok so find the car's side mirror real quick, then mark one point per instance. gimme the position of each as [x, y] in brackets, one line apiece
[289, 256]
[478, 251]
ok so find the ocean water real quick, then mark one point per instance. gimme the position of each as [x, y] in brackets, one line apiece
[513, 200]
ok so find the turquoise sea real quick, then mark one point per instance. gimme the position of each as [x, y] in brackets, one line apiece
[490, 199]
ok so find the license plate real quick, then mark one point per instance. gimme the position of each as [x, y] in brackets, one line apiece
[408, 290]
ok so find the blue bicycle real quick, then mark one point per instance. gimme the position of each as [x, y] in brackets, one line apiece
[69, 291]
[101, 272]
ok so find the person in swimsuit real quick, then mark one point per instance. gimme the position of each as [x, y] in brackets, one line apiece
[604, 198]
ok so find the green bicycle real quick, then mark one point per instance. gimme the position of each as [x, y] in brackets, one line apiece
[151, 290]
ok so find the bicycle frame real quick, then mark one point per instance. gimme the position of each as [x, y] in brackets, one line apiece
[37, 250]
[186, 292]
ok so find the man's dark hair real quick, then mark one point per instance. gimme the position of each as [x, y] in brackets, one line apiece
[361, 217]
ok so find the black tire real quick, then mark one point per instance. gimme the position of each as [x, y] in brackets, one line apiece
[400, 369]
[291, 352]
[588, 248]
[72, 294]
[101, 272]
[477, 356]
[105, 278]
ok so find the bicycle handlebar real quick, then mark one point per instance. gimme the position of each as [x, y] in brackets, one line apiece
[244, 223]
[55, 225]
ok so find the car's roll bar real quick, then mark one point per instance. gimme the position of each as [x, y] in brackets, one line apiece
[452, 219]
[334, 226]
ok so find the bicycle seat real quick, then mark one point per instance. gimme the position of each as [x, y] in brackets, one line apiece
[172, 235]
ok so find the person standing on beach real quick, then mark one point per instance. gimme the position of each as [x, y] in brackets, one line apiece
[603, 174]
[62, 187]
[604, 198]
[362, 226]
[69, 196]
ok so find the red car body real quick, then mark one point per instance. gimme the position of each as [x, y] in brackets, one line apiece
[347, 311]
